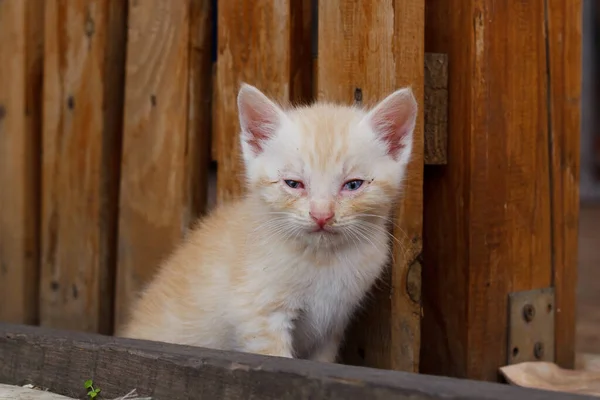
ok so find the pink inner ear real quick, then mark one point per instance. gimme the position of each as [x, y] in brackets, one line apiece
[259, 128]
[392, 131]
[394, 121]
[259, 118]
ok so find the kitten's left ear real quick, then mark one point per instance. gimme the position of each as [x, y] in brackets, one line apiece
[393, 121]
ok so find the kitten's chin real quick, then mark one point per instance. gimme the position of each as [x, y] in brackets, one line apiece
[326, 237]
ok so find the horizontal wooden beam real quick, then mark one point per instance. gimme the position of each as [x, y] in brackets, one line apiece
[61, 361]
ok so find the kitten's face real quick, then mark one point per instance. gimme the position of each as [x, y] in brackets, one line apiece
[328, 174]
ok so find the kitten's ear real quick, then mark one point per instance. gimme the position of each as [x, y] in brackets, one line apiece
[259, 117]
[393, 121]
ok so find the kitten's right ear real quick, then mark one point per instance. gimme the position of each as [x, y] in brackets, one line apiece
[259, 117]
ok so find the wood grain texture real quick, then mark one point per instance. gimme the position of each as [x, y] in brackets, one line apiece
[253, 47]
[61, 361]
[21, 52]
[563, 36]
[81, 134]
[163, 178]
[303, 24]
[488, 213]
[378, 48]
[435, 107]
[199, 107]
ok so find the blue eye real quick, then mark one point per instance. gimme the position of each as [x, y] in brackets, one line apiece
[353, 185]
[294, 184]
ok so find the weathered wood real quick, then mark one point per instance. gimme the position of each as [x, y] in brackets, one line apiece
[301, 62]
[21, 52]
[435, 107]
[163, 177]
[61, 361]
[199, 107]
[254, 46]
[83, 80]
[387, 333]
[488, 213]
[563, 24]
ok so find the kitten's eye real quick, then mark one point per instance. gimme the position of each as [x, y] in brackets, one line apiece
[353, 185]
[294, 184]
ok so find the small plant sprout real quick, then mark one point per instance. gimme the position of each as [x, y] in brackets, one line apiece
[92, 392]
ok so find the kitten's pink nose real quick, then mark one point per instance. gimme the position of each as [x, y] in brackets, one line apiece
[321, 217]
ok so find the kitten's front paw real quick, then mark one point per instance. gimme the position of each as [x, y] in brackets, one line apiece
[324, 359]
[276, 353]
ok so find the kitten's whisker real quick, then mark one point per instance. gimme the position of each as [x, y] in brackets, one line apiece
[372, 234]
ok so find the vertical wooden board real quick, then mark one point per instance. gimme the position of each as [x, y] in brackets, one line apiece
[82, 108]
[253, 40]
[155, 186]
[445, 199]
[509, 236]
[21, 38]
[200, 68]
[563, 24]
[378, 48]
[487, 213]
[301, 55]
[435, 109]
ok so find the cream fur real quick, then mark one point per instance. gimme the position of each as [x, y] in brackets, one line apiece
[253, 276]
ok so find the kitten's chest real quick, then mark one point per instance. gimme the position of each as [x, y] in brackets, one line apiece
[329, 299]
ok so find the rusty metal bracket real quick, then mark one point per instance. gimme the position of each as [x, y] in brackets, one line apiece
[531, 326]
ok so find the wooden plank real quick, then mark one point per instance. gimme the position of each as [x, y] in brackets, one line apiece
[303, 25]
[388, 334]
[21, 35]
[199, 107]
[254, 46]
[82, 116]
[563, 24]
[435, 107]
[487, 217]
[163, 182]
[61, 361]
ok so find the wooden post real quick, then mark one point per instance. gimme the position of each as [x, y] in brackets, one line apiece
[366, 51]
[165, 136]
[563, 38]
[83, 80]
[501, 216]
[255, 42]
[21, 52]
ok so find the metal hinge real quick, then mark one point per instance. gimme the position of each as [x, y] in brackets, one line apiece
[531, 326]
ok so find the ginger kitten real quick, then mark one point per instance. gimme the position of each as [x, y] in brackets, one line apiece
[281, 271]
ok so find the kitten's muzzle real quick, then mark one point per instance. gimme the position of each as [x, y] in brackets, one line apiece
[321, 218]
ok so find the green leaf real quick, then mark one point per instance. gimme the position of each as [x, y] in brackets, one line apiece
[97, 390]
[94, 394]
[88, 384]
[90, 392]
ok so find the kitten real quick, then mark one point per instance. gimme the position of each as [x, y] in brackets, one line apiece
[281, 271]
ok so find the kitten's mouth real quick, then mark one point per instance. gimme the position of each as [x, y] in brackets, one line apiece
[325, 230]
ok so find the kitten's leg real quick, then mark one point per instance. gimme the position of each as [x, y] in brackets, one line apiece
[328, 350]
[268, 335]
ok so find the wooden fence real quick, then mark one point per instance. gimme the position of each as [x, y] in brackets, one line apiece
[114, 114]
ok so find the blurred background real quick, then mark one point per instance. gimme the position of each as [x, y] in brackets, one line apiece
[588, 325]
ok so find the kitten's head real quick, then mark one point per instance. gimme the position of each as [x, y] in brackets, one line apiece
[327, 173]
